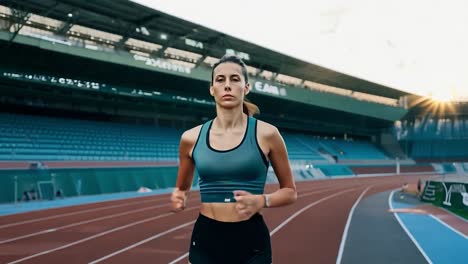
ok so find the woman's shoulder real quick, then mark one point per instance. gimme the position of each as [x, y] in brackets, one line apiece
[191, 135]
[265, 129]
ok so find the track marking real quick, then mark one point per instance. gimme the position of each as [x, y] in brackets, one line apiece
[186, 254]
[289, 218]
[80, 223]
[457, 216]
[96, 235]
[77, 212]
[449, 227]
[285, 222]
[179, 258]
[390, 204]
[348, 222]
[142, 242]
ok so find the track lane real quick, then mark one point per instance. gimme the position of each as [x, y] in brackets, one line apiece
[54, 213]
[174, 244]
[178, 241]
[288, 210]
[69, 220]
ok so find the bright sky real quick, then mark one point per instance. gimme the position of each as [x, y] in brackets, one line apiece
[420, 46]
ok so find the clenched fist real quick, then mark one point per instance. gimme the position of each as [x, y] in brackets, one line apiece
[248, 204]
[179, 200]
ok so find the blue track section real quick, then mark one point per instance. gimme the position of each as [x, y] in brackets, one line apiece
[375, 236]
[7, 209]
[441, 244]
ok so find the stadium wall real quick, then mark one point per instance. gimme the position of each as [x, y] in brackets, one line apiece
[89, 181]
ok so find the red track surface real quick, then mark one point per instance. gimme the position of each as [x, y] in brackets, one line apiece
[82, 234]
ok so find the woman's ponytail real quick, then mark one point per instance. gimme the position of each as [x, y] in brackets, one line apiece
[249, 108]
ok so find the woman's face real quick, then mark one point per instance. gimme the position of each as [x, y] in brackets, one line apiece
[229, 87]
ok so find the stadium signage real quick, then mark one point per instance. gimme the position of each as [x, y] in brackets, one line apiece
[48, 38]
[455, 188]
[75, 83]
[193, 43]
[54, 80]
[269, 89]
[240, 54]
[162, 64]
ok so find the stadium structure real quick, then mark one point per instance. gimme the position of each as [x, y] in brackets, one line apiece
[95, 95]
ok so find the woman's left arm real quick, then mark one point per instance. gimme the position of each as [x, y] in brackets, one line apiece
[278, 155]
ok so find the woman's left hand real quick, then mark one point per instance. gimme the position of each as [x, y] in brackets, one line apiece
[248, 204]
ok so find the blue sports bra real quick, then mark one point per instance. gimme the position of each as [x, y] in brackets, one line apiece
[222, 171]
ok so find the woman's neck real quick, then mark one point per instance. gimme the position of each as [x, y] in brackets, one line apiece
[228, 119]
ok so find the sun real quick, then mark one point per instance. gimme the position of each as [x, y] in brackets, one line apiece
[442, 96]
[436, 103]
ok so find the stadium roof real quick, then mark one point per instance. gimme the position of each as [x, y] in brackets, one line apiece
[123, 17]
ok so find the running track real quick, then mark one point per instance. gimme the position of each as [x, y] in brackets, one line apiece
[143, 230]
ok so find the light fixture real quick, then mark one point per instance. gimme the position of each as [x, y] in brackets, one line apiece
[144, 31]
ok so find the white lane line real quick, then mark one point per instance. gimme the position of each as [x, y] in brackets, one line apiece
[154, 237]
[142, 242]
[289, 219]
[96, 236]
[314, 192]
[80, 223]
[348, 222]
[457, 216]
[390, 205]
[285, 222]
[449, 227]
[300, 196]
[179, 258]
[78, 212]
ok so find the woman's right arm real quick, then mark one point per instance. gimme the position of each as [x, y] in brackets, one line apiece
[186, 169]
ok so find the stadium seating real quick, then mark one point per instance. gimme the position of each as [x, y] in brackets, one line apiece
[25, 137]
[439, 149]
[44, 138]
[433, 128]
[355, 150]
[465, 166]
[302, 147]
[435, 138]
[335, 170]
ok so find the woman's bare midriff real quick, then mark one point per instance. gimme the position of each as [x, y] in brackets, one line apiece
[224, 212]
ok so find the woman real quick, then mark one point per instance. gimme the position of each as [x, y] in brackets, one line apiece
[231, 154]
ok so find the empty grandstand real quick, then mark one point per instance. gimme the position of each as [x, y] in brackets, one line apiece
[435, 131]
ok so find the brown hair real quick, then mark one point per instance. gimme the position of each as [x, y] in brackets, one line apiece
[247, 107]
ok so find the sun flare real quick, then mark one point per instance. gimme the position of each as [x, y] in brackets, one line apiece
[443, 96]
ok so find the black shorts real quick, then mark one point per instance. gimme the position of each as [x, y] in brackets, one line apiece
[245, 242]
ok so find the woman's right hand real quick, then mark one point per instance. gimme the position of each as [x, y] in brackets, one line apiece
[178, 199]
